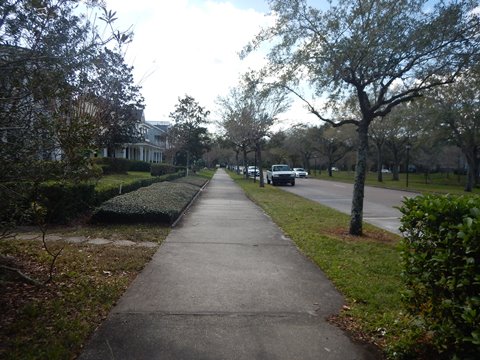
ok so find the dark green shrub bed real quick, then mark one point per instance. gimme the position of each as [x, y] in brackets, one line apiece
[159, 203]
[163, 169]
[441, 256]
[113, 165]
[106, 194]
[121, 166]
[194, 180]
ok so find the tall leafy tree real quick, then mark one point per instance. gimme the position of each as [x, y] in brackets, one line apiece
[255, 106]
[235, 123]
[48, 53]
[456, 110]
[302, 142]
[395, 132]
[381, 53]
[188, 135]
[335, 144]
[119, 101]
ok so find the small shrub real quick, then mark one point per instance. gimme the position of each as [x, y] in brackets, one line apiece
[441, 256]
[163, 169]
[106, 194]
[65, 201]
[193, 180]
[161, 203]
[136, 165]
[113, 165]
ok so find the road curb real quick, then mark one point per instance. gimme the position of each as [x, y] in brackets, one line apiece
[185, 209]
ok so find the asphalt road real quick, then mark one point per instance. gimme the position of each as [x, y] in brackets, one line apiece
[378, 207]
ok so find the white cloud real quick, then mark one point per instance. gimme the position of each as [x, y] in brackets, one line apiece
[187, 47]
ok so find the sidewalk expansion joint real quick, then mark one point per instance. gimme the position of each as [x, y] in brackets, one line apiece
[261, 314]
[227, 243]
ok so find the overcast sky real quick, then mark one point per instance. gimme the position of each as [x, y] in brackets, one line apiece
[191, 47]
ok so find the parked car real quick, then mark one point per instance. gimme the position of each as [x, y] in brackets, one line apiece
[280, 174]
[334, 168]
[253, 171]
[300, 172]
[386, 171]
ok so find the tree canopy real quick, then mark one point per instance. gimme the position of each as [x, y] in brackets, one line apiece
[188, 135]
[249, 111]
[61, 79]
[378, 53]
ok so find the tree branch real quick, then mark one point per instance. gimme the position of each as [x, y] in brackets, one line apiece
[315, 112]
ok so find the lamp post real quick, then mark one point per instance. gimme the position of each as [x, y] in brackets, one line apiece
[408, 158]
[315, 167]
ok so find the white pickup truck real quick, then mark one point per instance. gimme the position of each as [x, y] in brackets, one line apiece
[280, 174]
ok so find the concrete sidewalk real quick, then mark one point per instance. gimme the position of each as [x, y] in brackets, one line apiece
[226, 284]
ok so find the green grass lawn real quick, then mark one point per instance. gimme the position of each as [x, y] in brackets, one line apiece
[365, 269]
[54, 320]
[114, 180]
[435, 183]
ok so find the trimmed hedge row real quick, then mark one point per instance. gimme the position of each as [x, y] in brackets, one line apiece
[193, 180]
[441, 256]
[121, 166]
[160, 203]
[107, 194]
[62, 202]
[163, 169]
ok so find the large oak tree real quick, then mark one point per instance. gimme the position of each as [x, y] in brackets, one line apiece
[383, 53]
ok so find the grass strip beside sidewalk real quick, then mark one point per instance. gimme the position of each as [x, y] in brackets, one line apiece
[53, 320]
[365, 269]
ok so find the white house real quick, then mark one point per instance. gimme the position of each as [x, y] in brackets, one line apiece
[150, 148]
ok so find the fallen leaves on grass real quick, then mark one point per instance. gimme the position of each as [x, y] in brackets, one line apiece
[53, 320]
[376, 235]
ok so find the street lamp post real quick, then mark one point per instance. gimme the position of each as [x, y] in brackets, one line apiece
[408, 158]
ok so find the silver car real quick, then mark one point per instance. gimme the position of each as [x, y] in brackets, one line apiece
[253, 171]
[300, 173]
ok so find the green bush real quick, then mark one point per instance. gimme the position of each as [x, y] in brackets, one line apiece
[441, 256]
[15, 204]
[163, 169]
[63, 202]
[161, 202]
[194, 180]
[106, 194]
[113, 165]
[136, 165]
[121, 166]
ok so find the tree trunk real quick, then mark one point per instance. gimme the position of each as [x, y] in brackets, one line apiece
[245, 162]
[356, 217]
[237, 169]
[396, 166]
[259, 162]
[379, 163]
[471, 161]
[476, 177]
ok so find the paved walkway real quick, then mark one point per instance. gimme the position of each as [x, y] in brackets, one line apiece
[226, 284]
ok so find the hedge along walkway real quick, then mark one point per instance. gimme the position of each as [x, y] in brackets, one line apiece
[86, 240]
